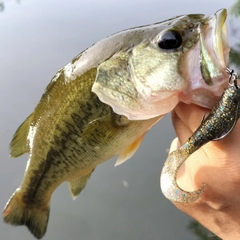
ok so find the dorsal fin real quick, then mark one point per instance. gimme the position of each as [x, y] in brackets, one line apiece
[129, 151]
[19, 144]
[77, 184]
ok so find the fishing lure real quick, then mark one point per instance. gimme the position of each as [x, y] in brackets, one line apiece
[219, 123]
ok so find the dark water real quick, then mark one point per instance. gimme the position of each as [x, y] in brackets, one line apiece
[36, 39]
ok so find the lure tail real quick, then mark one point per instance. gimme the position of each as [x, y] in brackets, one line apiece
[168, 179]
[35, 218]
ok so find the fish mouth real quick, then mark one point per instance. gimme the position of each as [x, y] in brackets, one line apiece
[207, 62]
[214, 54]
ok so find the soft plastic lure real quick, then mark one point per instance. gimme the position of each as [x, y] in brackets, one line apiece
[219, 123]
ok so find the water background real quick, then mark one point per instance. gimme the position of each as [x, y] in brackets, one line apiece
[36, 39]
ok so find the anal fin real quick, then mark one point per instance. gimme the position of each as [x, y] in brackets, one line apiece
[77, 184]
[129, 151]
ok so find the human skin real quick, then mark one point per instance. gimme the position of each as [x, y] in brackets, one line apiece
[217, 164]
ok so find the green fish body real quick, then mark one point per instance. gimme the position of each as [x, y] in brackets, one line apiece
[102, 103]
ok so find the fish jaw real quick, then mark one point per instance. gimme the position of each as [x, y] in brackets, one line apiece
[206, 71]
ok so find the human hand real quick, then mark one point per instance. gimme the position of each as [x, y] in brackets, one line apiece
[218, 165]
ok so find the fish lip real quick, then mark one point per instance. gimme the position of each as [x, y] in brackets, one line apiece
[214, 54]
[221, 48]
[221, 39]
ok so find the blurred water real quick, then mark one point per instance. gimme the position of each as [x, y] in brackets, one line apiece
[36, 39]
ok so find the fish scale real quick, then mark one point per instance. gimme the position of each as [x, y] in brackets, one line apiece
[59, 149]
[72, 147]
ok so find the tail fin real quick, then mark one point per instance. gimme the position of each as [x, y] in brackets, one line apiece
[35, 218]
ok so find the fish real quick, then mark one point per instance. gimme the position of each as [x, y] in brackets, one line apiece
[106, 99]
[219, 123]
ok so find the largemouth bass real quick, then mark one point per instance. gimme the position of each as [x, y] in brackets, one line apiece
[219, 123]
[104, 101]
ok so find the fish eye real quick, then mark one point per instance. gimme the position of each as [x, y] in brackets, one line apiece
[170, 39]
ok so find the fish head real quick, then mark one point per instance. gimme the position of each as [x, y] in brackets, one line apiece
[181, 59]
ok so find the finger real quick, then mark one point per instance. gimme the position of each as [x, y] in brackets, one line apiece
[191, 115]
[174, 145]
[188, 117]
[182, 130]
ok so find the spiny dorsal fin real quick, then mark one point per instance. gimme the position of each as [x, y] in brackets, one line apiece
[77, 184]
[129, 151]
[19, 144]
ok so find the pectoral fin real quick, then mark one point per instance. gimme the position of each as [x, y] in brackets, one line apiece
[109, 132]
[129, 151]
[77, 184]
[19, 144]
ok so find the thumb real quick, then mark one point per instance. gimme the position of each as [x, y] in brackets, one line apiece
[174, 145]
